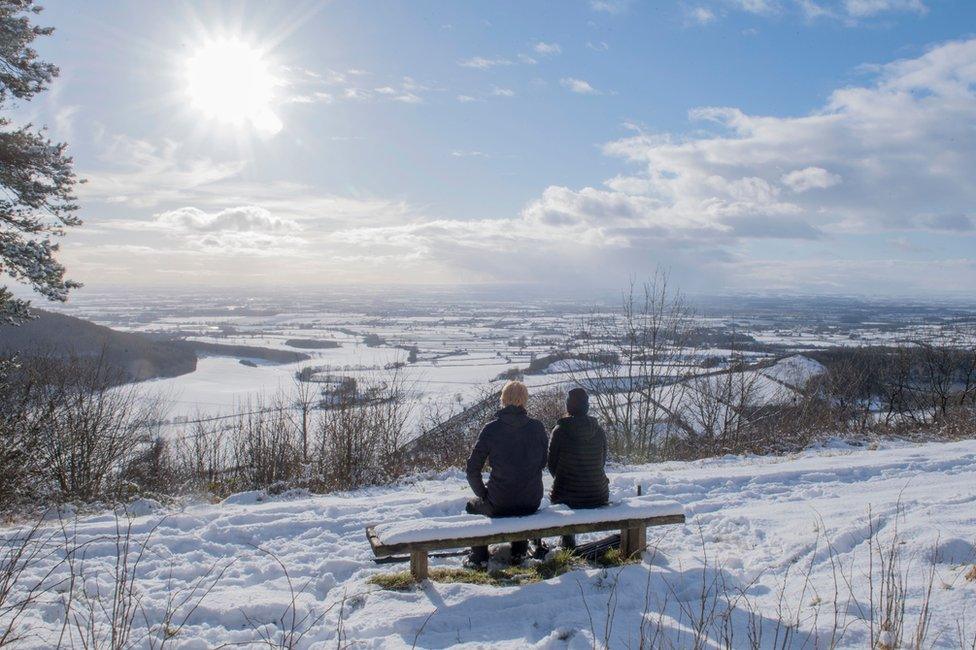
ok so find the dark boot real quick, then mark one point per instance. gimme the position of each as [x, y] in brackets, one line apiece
[519, 550]
[478, 558]
[541, 549]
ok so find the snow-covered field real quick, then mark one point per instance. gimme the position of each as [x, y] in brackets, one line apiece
[786, 538]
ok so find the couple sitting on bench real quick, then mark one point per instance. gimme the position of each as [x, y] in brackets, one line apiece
[518, 450]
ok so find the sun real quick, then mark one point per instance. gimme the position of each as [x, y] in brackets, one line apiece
[229, 81]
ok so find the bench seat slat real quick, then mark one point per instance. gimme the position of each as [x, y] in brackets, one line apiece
[465, 526]
[381, 549]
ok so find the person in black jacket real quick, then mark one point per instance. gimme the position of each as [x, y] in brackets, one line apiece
[577, 455]
[515, 446]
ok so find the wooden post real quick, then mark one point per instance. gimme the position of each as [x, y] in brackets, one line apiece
[632, 541]
[637, 537]
[625, 543]
[418, 565]
[641, 535]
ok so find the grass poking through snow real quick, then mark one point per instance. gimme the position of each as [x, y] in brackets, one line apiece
[558, 564]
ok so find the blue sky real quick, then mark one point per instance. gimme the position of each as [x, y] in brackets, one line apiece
[747, 145]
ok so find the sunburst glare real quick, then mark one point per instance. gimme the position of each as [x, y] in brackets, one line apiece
[229, 80]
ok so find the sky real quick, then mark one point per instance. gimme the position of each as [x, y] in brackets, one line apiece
[761, 146]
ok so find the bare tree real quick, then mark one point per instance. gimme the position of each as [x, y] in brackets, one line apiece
[73, 428]
[895, 386]
[937, 371]
[92, 430]
[721, 408]
[389, 411]
[203, 456]
[944, 371]
[306, 395]
[636, 397]
[548, 405]
[265, 444]
[450, 431]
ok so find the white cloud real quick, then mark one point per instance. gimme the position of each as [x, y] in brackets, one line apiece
[861, 8]
[879, 156]
[756, 6]
[853, 12]
[848, 12]
[247, 218]
[64, 120]
[598, 46]
[141, 174]
[244, 229]
[906, 245]
[702, 15]
[502, 92]
[889, 158]
[317, 97]
[578, 86]
[610, 6]
[813, 9]
[310, 87]
[408, 98]
[547, 49]
[801, 180]
[484, 63]
[356, 94]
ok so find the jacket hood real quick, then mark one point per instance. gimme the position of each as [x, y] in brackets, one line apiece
[514, 416]
[577, 402]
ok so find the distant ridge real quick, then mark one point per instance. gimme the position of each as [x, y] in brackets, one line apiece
[134, 357]
[233, 350]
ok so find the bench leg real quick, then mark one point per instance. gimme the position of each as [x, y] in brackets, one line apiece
[632, 541]
[418, 565]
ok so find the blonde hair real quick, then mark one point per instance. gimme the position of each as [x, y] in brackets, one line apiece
[515, 393]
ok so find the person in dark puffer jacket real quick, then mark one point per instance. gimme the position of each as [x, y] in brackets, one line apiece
[577, 456]
[515, 445]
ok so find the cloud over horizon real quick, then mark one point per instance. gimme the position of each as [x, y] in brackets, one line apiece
[499, 148]
[894, 155]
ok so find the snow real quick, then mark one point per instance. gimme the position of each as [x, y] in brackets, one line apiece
[563, 366]
[795, 370]
[759, 526]
[460, 526]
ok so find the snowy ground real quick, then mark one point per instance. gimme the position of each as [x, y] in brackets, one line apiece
[754, 525]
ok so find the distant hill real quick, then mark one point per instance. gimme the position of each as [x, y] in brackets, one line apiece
[134, 356]
[247, 351]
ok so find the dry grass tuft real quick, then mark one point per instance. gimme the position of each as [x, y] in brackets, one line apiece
[971, 574]
[560, 563]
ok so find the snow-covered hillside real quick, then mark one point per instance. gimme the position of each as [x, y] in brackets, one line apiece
[767, 539]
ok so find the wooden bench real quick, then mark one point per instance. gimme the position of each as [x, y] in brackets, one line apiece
[418, 537]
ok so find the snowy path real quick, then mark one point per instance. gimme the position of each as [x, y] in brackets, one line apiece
[763, 521]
